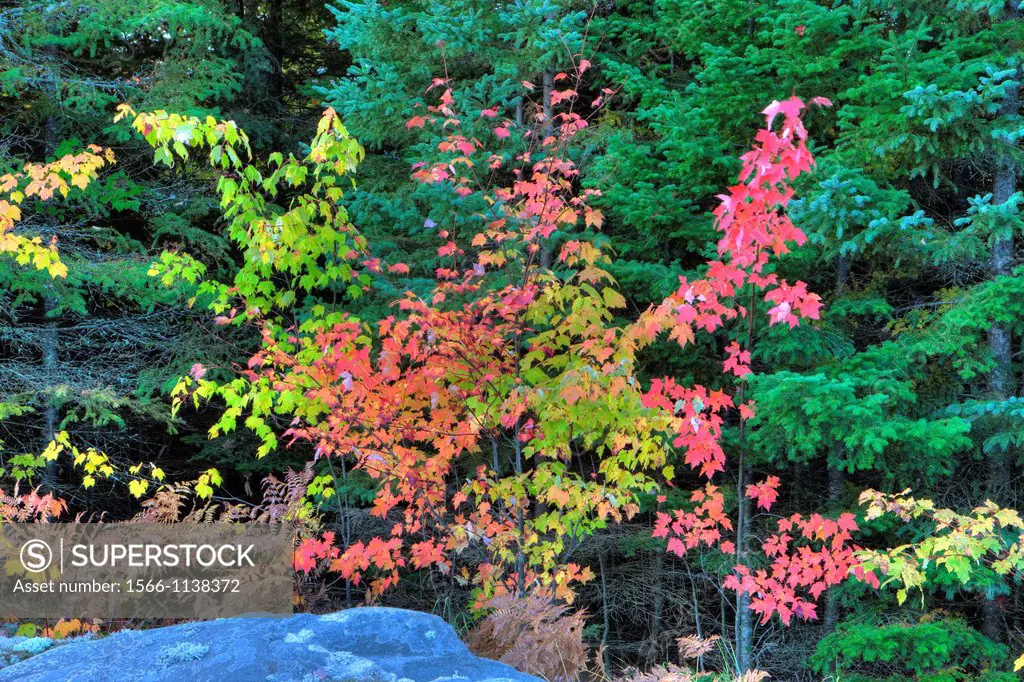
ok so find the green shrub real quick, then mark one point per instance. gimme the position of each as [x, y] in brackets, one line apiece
[931, 650]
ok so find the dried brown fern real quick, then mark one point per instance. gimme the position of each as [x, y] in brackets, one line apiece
[662, 673]
[282, 499]
[208, 513]
[753, 676]
[674, 673]
[690, 647]
[179, 503]
[534, 635]
[166, 505]
[693, 646]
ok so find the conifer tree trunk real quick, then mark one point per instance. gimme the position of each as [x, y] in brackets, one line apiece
[830, 617]
[1001, 383]
[275, 44]
[1000, 379]
[51, 334]
[835, 470]
[51, 357]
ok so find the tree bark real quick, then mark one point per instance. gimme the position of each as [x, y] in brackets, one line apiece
[605, 610]
[698, 623]
[547, 248]
[1001, 383]
[744, 635]
[836, 475]
[520, 520]
[744, 621]
[275, 44]
[51, 333]
[51, 361]
[658, 600]
[548, 79]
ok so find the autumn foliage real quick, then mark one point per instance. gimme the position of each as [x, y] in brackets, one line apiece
[532, 314]
[470, 407]
[499, 373]
[808, 555]
[44, 181]
[501, 416]
[507, 357]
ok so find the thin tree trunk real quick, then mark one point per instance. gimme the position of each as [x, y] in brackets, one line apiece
[698, 626]
[744, 635]
[51, 360]
[343, 509]
[830, 617]
[658, 606]
[51, 333]
[836, 472]
[721, 610]
[547, 248]
[520, 520]
[842, 273]
[275, 44]
[744, 621]
[605, 610]
[548, 79]
[1000, 379]
[346, 529]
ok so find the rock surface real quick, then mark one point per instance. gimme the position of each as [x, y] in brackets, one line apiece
[358, 645]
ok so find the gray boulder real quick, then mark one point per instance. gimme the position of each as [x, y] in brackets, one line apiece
[358, 645]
